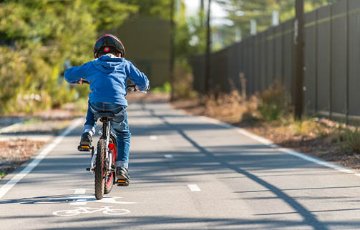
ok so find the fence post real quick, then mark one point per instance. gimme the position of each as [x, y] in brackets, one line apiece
[299, 60]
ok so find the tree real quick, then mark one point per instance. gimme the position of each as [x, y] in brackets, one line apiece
[242, 11]
[38, 36]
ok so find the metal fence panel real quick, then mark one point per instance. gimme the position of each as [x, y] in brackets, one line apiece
[257, 71]
[323, 57]
[269, 57]
[310, 81]
[263, 61]
[339, 58]
[278, 53]
[354, 57]
[288, 54]
[233, 67]
[332, 61]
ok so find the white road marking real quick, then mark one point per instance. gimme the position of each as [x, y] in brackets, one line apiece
[284, 150]
[107, 210]
[153, 138]
[80, 191]
[80, 200]
[37, 159]
[194, 187]
[168, 156]
[10, 128]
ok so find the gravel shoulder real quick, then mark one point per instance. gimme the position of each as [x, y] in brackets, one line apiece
[22, 136]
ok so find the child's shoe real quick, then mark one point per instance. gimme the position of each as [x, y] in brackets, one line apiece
[122, 175]
[86, 139]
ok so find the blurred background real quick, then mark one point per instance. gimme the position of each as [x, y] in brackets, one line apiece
[186, 47]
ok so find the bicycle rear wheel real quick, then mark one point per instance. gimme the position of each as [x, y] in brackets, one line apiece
[100, 170]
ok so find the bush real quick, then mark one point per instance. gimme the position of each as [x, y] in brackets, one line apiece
[351, 139]
[183, 88]
[273, 103]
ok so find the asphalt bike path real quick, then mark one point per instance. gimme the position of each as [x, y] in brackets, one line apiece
[187, 173]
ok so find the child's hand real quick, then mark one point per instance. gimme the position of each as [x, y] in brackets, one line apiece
[83, 81]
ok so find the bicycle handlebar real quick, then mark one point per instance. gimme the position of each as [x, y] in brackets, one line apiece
[129, 87]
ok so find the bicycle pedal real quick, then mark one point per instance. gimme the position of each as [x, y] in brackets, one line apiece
[122, 182]
[84, 148]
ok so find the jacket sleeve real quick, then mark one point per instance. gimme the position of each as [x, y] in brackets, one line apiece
[74, 74]
[138, 77]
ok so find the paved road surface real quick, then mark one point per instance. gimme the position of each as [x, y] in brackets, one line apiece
[187, 173]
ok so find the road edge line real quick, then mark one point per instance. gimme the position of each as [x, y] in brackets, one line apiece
[292, 152]
[4, 189]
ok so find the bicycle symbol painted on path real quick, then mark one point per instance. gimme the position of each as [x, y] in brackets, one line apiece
[107, 210]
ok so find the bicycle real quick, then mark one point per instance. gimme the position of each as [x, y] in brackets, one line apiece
[103, 158]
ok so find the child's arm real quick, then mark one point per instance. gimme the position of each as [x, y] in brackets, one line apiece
[138, 77]
[76, 73]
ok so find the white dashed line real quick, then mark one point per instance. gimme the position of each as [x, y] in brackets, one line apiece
[80, 191]
[168, 156]
[153, 138]
[194, 187]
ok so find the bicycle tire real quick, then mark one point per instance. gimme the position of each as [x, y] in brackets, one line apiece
[100, 170]
[110, 179]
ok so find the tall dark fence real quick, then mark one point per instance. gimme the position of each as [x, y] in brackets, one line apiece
[332, 61]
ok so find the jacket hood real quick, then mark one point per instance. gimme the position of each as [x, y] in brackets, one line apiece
[108, 63]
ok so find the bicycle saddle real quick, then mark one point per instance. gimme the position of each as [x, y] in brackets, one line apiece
[105, 114]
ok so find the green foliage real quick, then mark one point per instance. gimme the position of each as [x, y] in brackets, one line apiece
[166, 88]
[273, 104]
[36, 37]
[183, 81]
[157, 8]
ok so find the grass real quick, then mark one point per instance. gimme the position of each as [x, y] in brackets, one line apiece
[350, 140]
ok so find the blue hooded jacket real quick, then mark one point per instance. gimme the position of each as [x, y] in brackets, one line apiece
[107, 76]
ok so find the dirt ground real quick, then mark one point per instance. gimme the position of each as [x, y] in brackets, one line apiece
[15, 152]
[18, 145]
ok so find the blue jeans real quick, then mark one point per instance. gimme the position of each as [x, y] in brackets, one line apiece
[119, 126]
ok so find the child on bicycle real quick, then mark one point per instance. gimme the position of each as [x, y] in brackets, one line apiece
[107, 75]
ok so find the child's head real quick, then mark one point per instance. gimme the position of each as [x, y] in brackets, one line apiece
[109, 43]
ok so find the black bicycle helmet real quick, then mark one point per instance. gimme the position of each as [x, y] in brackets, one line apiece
[108, 43]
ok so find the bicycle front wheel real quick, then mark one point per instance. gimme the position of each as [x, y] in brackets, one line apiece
[100, 170]
[110, 177]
